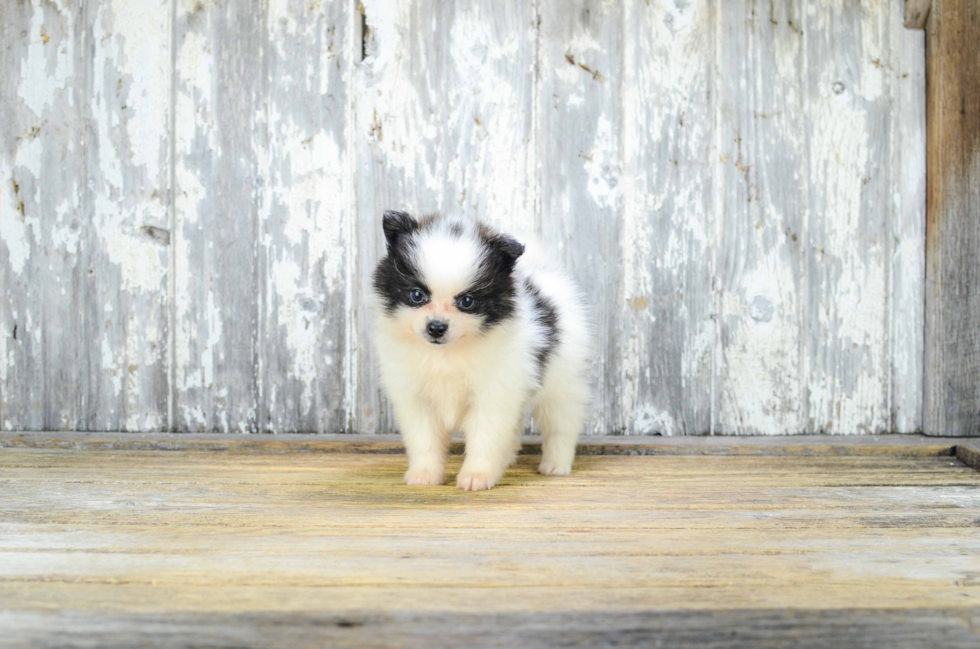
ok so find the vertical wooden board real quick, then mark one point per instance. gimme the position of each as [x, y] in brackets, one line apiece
[916, 13]
[128, 175]
[83, 209]
[443, 106]
[908, 206]
[848, 223]
[304, 219]
[761, 176]
[656, 311]
[219, 78]
[42, 100]
[580, 154]
[952, 348]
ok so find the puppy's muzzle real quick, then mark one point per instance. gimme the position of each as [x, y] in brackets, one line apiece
[437, 329]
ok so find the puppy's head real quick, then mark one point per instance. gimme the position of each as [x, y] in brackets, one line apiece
[444, 279]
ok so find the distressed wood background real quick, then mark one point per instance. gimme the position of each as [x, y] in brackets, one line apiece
[190, 199]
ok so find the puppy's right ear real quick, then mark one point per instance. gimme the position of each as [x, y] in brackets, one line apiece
[397, 224]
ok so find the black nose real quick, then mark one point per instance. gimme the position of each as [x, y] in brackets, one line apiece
[436, 329]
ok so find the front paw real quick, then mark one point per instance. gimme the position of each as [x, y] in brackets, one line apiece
[424, 478]
[468, 481]
[550, 467]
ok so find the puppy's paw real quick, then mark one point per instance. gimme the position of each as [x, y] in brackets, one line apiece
[474, 481]
[421, 478]
[548, 467]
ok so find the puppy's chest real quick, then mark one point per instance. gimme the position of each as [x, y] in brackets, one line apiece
[448, 390]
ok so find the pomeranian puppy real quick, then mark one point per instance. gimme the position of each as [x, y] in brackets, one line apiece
[471, 331]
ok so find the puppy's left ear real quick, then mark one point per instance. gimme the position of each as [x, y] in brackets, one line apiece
[397, 224]
[508, 248]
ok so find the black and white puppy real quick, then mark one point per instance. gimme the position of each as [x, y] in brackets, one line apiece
[471, 331]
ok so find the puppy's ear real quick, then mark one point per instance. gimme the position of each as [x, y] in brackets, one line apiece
[397, 224]
[508, 249]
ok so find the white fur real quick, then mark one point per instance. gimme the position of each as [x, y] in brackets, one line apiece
[481, 382]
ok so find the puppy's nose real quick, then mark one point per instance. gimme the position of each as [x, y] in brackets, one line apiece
[437, 328]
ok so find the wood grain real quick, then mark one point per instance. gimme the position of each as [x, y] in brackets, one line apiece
[952, 352]
[760, 265]
[580, 154]
[846, 233]
[665, 304]
[305, 222]
[799, 445]
[260, 252]
[775, 628]
[907, 80]
[738, 187]
[219, 81]
[969, 454]
[84, 219]
[917, 13]
[203, 541]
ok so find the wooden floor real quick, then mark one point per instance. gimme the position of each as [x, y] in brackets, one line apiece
[218, 544]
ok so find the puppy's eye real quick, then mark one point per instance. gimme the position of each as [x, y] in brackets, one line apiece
[417, 296]
[465, 303]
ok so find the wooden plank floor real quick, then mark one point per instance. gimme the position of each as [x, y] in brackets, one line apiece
[108, 545]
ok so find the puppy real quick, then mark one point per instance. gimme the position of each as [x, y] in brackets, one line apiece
[471, 331]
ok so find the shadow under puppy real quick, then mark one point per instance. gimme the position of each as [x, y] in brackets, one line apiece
[471, 331]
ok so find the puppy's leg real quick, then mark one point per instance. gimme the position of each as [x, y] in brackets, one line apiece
[559, 413]
[493, 437]
[426, 442]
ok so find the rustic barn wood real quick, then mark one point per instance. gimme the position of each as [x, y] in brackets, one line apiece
[278, 545]
[952, 351]
[810, 445]
[727, 629]
[84, 218]
[916, 13]
[190, 195]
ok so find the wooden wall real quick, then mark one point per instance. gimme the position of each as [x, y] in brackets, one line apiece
[951, 401]
[190, 199]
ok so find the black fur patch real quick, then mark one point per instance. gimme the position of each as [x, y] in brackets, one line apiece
[396, 275]
[547, 316]
[493, 289]
[396, 226]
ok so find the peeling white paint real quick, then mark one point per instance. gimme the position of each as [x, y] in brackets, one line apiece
[647, 140]
[141, 262]
[40, 81]
[16, 234]
[139, 36]
[603, 166]
[649, 421]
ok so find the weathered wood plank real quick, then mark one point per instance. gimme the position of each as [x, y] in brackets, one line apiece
[969, 454]
[847, 228]
[952, 342]
[669, 629]
[808, 445]
[660, 303]
[185, 542]
[304, 220]
[579, 144]
[219, 81]
[643, 142]
[760, 172]
[84, 184]
[916, 13]
[907, 80]
[443, 114]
